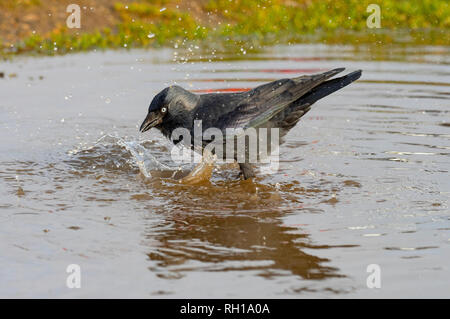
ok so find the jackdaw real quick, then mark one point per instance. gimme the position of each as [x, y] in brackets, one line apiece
[278, 104]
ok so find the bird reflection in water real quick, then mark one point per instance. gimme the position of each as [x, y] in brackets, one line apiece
[233, 226]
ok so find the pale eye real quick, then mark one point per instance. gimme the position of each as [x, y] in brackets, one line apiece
[163, 110]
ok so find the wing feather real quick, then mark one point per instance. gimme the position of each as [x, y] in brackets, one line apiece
[259, 105]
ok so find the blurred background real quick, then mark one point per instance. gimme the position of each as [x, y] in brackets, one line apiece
[40, 25]
[363, 177]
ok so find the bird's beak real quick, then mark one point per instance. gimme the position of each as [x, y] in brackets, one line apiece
[150, 121]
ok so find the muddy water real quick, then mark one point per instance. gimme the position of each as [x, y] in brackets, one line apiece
[363, 179]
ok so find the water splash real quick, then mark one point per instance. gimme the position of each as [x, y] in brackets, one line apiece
[203, 171]
[114, 152]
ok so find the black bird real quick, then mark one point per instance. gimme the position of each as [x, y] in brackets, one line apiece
[278, 104]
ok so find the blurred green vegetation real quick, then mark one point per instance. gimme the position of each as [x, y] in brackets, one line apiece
[146, 23]
[18, 3]
[274, 16]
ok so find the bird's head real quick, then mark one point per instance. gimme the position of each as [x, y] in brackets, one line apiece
[157, 111]
[171, 103]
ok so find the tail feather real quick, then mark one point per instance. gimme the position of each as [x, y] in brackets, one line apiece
[319, 77]
[300, 107]
[328, 87]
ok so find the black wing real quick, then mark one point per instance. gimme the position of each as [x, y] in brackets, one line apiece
[257, 106]
[288, 117]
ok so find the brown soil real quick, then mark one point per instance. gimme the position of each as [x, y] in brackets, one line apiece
[19, 21]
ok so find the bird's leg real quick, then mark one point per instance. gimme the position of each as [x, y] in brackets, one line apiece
[246, 170]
